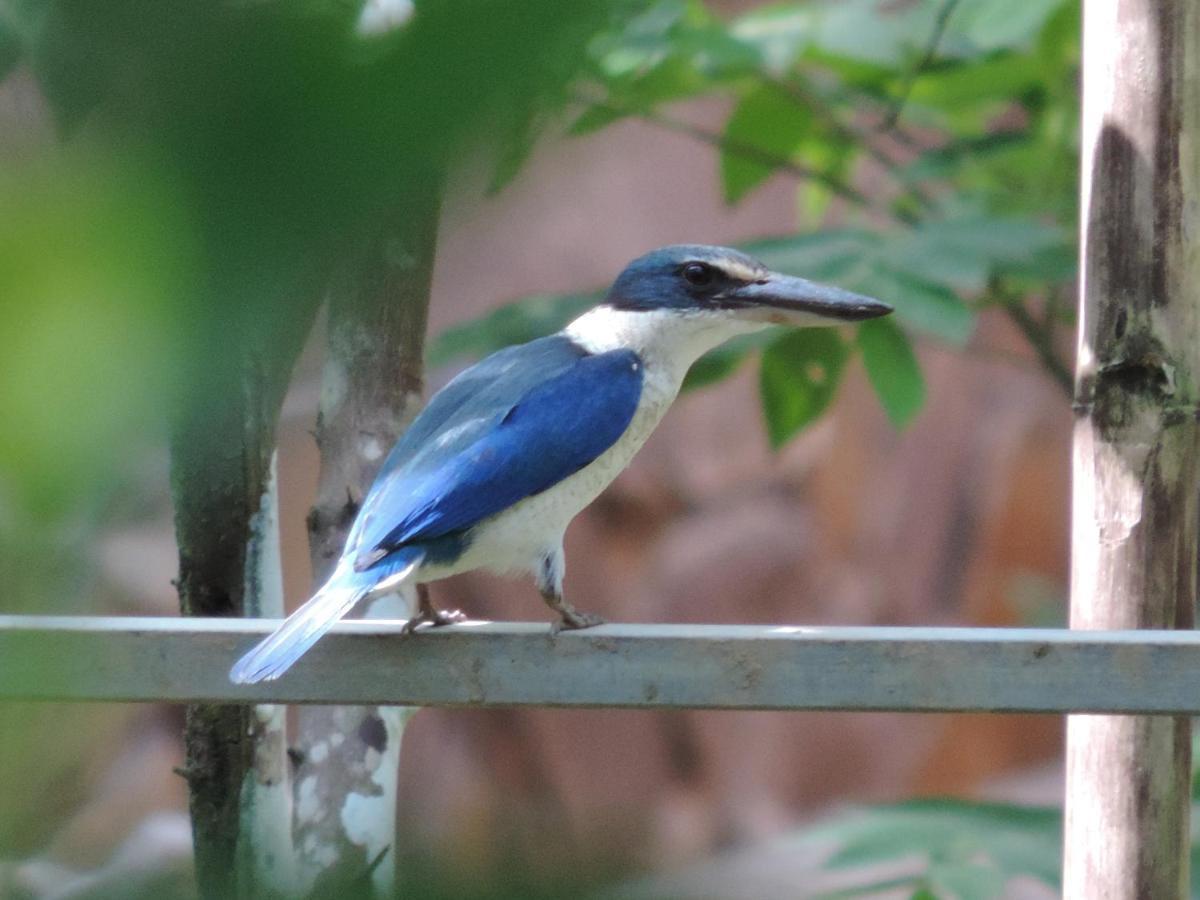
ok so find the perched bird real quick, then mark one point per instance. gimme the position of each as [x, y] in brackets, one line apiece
[505, 455]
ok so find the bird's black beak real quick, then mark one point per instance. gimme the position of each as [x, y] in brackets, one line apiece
[787, 300]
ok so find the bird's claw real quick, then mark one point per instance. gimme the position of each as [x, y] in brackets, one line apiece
[572, 621]
[435, 619]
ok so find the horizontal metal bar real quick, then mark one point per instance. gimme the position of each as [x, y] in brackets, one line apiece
[698, 666]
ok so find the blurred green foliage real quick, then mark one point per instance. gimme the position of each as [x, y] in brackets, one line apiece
[88, 342]
[219, 162]
[943, 848]
[960, 115]
[950, 849]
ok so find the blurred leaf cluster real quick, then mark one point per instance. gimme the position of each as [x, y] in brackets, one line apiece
[218, 163]
[939, 136]
[942, 849]
[221, 160]
[951, 849]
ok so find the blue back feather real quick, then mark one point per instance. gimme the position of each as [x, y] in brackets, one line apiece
[509, 427]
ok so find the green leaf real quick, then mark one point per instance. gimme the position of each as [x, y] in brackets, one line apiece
[766, 122]
[594, 118]
[963, 252]
[947, 161]
[834, 156]
[921, 305]
[860, 261]
[716, 51]
[779, 33]
[867, 31]
[10, 46]
[1001, 24]
[968, 84]
[828, 255]
[672, 51]
[968, 880]
[516, 146]
[70, 69]
[798, 377]
[892, 369]
[643, 42]
[674, 78]
[896, 35]
[870, 888]
[725, 359]
[1016, 839]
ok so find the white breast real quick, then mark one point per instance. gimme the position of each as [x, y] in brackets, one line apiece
[517, 537]
[667, 345]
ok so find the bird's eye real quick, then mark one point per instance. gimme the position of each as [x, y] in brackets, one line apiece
[698, 274]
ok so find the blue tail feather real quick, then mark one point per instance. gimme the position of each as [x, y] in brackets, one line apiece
[276, 653]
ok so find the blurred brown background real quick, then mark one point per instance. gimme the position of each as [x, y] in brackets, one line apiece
[962, 519]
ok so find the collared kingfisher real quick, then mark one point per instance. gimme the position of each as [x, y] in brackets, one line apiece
[504, 456]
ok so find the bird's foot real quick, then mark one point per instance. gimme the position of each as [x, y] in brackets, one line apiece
[574, 619]
[571, 618]
[435, 618]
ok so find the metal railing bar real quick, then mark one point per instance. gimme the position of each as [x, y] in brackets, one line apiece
[786, 667]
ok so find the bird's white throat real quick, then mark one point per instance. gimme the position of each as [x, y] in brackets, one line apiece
[668, 339]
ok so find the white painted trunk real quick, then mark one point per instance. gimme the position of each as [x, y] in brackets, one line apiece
[265, 843]
[348, 757]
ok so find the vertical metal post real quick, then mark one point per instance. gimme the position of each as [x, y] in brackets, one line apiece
[1136, 458]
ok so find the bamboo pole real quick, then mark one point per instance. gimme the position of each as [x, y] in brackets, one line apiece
[1136, 465]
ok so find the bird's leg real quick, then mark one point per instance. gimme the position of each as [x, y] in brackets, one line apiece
[428, 613]
[549, 581]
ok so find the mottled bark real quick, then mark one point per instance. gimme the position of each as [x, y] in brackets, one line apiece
[1137, 450]
[345, 782]
[222, 452]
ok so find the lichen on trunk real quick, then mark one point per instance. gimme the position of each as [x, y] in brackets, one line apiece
[222, 485]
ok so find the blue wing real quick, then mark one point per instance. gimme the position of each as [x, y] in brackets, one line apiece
[510, 427]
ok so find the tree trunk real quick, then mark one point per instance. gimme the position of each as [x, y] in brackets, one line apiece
[1137, 459]
[345, 786]
[223, 489]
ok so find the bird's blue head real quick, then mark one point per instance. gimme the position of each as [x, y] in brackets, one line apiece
[721, 282]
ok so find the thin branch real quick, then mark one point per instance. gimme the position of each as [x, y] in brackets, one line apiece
[801, 95]
[757, 154]
[983, 353]
[931, 48]
[1058, 308]
[1041, 338]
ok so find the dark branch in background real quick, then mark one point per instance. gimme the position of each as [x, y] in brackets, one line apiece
[802, 95]
[931, 48]
[757, 154]
[1059, 307]
[1041, 337]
